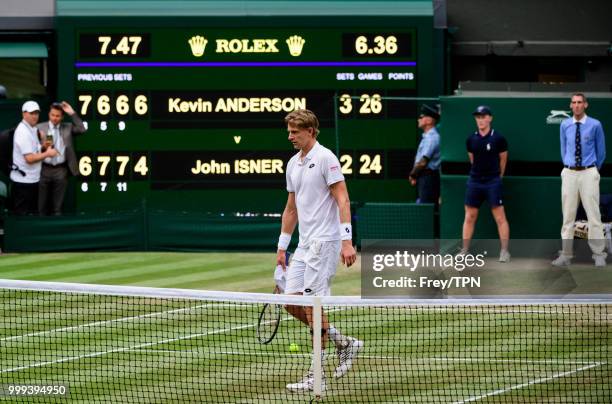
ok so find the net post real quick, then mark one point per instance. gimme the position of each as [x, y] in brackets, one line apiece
[316, 346]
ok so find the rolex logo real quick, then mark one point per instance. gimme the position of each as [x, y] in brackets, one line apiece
[295, 43]
[198, 44]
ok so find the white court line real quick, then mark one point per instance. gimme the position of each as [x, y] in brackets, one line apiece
[530, 383]
[478, 309]
[305, 355]
[412, 360]
[535, 361]
[95, 354]
[96, 323]
[416, 310]
[134, 347]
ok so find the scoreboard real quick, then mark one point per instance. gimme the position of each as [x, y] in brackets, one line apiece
[190, 116]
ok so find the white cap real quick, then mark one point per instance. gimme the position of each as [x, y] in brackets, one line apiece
[30, 106]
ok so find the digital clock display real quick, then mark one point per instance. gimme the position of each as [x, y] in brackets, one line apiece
[190, 115]
[114, 45]
[377, 45]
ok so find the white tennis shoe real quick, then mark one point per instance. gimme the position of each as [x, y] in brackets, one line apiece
[347, 355]
[562, 261]
[306, 384]
[600, 260]
[504, 256]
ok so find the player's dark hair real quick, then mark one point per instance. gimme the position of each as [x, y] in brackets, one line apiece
[57, 106]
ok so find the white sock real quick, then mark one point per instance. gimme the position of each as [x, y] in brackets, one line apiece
[336, 336]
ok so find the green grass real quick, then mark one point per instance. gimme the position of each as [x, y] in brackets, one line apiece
[126, 349]
[243, 272]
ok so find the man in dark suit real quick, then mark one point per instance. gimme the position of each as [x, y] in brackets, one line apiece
[54, 175]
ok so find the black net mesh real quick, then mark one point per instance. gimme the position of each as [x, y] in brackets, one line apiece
[114, 348]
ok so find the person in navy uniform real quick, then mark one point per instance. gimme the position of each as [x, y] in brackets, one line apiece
[488, 153]
[425, 173]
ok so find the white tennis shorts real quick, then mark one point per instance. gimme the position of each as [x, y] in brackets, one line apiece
[311, 269]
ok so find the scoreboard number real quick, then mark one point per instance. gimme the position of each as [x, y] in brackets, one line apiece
[84, 99]
[114, 45]
[122, 160]
[382, 44]
[369, 164]
[86, 165]
[126, 45]
[140, 104]
[103, 106]
[121, 103]
[377, 45]
[370, 104]
[346, 161]
[141, 166]
[103, 160]
[346, 106]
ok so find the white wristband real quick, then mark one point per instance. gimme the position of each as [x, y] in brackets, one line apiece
[346, 231]
[283, 241]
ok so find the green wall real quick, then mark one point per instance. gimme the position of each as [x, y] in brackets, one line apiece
[532, 204]
[521, 119]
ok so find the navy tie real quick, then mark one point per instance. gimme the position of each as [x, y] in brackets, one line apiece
[578, 147]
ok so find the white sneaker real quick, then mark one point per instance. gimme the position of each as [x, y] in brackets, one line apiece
[504, 256]
[561, 261]
[306, 384]
[600, 260]
[347, 355]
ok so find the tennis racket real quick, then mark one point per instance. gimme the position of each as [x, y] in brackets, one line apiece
[270, 316]
[269, 320]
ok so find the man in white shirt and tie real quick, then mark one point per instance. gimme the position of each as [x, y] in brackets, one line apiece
[55, 170]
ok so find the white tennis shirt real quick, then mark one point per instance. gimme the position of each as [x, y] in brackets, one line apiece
[310, 178]
[25, 142]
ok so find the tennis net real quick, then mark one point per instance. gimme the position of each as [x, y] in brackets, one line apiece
[130, 344]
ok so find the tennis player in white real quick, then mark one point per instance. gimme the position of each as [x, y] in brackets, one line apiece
[318, 200]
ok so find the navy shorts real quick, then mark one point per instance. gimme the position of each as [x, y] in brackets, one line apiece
[478, 192]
